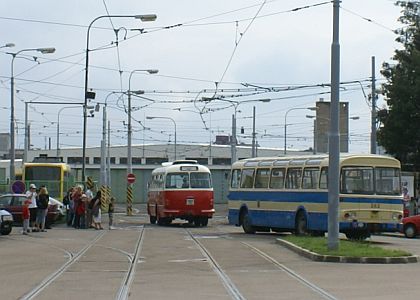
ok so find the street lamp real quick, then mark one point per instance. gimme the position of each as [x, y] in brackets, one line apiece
[285, 124]
[8, 45]
[130, 131]
[90, 95]
[168, 118]
[12, 103]
[58, 126]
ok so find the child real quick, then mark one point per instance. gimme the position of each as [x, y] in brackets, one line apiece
[111, 212]
[26, 216]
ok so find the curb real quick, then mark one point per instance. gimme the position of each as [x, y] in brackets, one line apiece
[347, 259]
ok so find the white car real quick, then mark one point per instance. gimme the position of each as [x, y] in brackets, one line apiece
[60, 206]
[6, 221]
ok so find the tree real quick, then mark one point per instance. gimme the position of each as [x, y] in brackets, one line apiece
[400, 133]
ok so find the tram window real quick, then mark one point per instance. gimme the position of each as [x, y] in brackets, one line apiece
[200, 180]
[177, 181]
[387, 181]
[261, 178]
[310, 178]
[236, 179]
[277, 178]
[323, 180]
[357, 180]
[247, 178]
[293, 178]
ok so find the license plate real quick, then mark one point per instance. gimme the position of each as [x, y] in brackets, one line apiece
[190, 201]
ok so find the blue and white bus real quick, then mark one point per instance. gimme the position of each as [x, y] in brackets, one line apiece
[291, 194]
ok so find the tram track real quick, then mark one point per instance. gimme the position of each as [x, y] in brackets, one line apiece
[291, 273]
[324, 294]
[53, 276]
[231, 288]
[124, 290]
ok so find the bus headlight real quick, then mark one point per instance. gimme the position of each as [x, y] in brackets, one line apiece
[350, 215]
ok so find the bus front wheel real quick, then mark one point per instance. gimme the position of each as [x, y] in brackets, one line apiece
[246, 223]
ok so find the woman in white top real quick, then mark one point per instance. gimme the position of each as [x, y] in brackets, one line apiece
[31, 194]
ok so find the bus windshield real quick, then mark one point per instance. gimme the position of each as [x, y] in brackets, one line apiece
[42, 173]
[195, 180]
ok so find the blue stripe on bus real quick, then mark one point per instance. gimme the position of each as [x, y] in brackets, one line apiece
[307, 197]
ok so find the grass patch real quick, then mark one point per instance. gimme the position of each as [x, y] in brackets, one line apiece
[319, 245]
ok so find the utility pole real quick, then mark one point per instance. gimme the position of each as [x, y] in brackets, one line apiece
[373, 117]
[233, 139]
[26, 143]
[334, 135]
[253, 133]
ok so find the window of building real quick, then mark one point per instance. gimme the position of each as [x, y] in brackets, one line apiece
[155, 160]
[97, 160]
[136, 160]
[221, 161]
[77, 160]
[123, 160]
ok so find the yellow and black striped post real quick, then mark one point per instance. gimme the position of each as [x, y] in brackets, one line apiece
[129, 200]
[104, 199]
[89, 183]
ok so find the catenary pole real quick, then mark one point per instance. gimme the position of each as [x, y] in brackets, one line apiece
[334, 135]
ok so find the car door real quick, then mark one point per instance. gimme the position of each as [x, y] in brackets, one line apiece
[16, 208]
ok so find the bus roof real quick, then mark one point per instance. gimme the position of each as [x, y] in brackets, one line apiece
[181, 167]
[319, 160]
[61, 165]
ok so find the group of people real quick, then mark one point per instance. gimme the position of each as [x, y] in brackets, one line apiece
[35, 208]
[84, 209]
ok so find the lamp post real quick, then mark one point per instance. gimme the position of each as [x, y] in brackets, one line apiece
[168, 118]
[90, 95]
[130, 131]
[12, 104]
[285, 124]
[58, 127]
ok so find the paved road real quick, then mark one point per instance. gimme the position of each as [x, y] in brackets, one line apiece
[143, 261]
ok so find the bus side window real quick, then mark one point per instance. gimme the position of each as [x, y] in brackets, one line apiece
[310, 178]
[277, 178]
[247, 178]
[293, 178]
[235, 178]
[323, 179]
[261, 178]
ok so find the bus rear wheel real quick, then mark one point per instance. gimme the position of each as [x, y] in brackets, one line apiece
[246, 223]
[301, 224]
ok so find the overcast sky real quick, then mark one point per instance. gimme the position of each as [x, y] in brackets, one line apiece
[237, 50]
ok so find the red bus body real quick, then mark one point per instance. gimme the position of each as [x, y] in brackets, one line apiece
[182, 190]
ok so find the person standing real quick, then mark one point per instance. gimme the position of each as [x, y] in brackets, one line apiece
[42, 203]
[26, 216]
[76, 197]
[89, 195]
[32, 195]
[96, 211]
[111, 213]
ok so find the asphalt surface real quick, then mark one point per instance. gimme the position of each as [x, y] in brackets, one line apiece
[142, 261]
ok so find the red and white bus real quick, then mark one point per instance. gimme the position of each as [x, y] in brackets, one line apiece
[180, 189]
